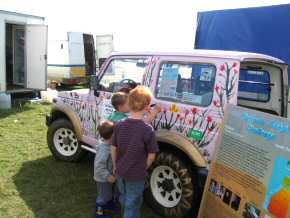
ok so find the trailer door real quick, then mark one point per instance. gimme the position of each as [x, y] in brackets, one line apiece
[76, 49]
[36, 56]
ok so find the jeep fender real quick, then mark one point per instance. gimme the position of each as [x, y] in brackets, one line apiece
[72, 116]
[183, 144]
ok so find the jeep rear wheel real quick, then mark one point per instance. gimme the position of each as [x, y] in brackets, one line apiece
[62, 141]
[169, 189]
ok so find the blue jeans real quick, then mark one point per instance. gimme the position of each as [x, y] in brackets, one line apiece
[131, 197]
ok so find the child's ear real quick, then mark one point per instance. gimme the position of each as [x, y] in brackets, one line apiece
[147, 108]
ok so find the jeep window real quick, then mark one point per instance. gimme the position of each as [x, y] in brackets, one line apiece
[123, 73]
[254, 85]
[186, 83]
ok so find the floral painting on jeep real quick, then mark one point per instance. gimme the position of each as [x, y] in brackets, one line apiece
[201, 124]
[148, 78]
[197, 123]
[88, 108]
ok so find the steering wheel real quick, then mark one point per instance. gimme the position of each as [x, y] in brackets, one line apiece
[129, 82]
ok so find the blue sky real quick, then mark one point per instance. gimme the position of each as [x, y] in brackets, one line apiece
[137, 25]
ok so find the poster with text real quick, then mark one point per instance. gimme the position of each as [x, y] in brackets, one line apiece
[250, 172]
[168, 82]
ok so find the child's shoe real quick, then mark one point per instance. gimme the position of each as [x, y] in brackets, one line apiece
[112, 206]
[100, 213]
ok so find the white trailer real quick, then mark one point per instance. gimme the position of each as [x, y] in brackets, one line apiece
[71, 59]
[23, 54]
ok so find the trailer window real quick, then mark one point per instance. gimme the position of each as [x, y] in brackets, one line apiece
[254, 85]
[186, 83]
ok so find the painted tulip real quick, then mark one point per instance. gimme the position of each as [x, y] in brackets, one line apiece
[222, 67]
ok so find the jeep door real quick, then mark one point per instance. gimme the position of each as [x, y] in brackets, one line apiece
[119, 73]
[193, 92]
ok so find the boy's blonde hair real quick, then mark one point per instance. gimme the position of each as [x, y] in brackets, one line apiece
[139, 98]
[119, 99]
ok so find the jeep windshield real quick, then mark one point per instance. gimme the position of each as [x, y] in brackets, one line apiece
[123, 73]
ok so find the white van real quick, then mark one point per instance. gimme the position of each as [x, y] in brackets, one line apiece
[104, 48]
[71, 60]
[23, 54]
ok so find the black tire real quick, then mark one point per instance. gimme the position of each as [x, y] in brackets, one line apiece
[56, 125]
[184, 205]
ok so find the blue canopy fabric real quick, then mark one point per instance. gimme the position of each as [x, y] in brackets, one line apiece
[263, 30]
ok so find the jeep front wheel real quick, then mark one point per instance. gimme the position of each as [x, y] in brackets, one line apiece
[62, 141]
[169, 189]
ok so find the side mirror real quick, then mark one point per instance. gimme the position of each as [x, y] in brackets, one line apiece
[94, 83]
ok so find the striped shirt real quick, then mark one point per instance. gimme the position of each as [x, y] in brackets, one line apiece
[134, 139]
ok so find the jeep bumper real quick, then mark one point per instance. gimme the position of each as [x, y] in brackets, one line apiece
[48, 120]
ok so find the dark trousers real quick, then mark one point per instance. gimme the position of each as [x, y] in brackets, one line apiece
[104, 193]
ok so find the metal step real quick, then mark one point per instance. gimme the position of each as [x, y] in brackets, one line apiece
[88, 148]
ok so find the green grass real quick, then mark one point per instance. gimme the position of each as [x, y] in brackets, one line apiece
[32, 182]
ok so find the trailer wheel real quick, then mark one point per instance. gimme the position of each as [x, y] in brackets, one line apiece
[169, 189]
[62, 141]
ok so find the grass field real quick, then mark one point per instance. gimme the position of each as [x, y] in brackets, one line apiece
[32, 182]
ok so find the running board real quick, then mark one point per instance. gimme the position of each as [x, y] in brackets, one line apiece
[88, 148]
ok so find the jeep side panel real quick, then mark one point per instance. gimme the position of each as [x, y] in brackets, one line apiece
[194, 112]
[84, 104]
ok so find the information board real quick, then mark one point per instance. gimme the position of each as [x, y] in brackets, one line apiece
[250, 172]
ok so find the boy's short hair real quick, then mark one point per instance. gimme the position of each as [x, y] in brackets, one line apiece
[118, 99]
[125, 90]
[106, 129]
[139, 98]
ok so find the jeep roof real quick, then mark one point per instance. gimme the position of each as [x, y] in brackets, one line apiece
[241, 56]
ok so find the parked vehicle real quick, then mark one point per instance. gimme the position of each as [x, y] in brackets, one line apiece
[255, 29]
[72, 61]
[193, 90]
[23, 53]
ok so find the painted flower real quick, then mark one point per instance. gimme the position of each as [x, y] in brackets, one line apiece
[173, 108]
[209, 119]
[235, 71]
[158, 108]
[222, 67]
[216, 103]
[186, 112]
[177, 116]
[217, 88]
[181, 118]
[235, 64]
[194, 110]
[190, 122]
[210, 129]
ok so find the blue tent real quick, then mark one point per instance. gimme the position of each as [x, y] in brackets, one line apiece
[263, 30]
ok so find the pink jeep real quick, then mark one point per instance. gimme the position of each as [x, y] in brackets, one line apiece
[193, 89]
